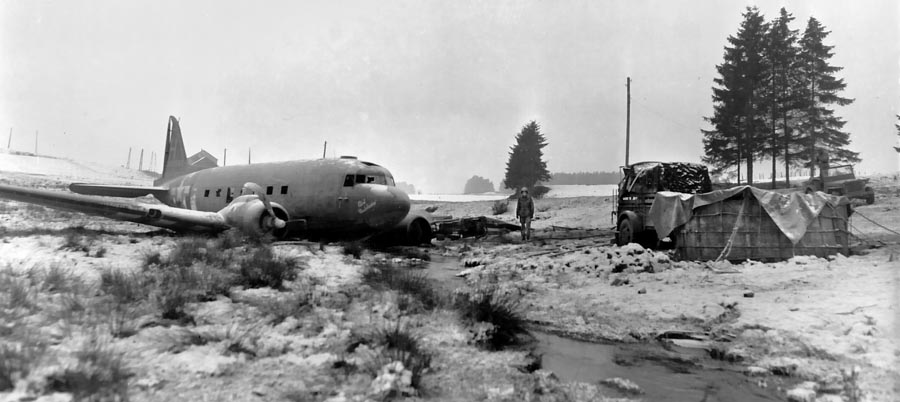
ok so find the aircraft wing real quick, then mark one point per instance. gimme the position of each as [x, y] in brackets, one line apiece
[126, 210]
[117, 191]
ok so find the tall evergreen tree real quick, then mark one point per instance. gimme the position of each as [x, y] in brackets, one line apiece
[782, 63]
[738, 114]
[526, 166]
[898, 133]
[820, 127]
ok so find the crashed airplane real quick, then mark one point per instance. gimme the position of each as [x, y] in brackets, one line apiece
[324, 199]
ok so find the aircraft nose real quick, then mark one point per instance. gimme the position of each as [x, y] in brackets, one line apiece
[399, 203]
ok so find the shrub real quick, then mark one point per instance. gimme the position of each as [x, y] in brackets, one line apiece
[496, 318]
[100, 253]
[407, 282]
[187, 251]
[354, 248]
[233, 238]
[295, 305]
[500, 207]
[152, 257]
[539, 191]
[171, 295]
[17, 293]
[74, 240]
[99, 374]
[263, 269]
[124, 287]
[399, 344]
[58, 279]
[16, 361]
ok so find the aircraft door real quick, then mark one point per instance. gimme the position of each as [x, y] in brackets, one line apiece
[343, 198]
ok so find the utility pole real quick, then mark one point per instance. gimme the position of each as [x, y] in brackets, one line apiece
[35, 142]
[225, 158]
[9, 141]
[128, 164]
[324, 149]
[628, 120]
[248, 155]
[141, 162]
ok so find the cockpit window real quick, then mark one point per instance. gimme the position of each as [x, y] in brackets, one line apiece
[369, 178]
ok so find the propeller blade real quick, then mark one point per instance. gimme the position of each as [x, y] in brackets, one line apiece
[275, 222]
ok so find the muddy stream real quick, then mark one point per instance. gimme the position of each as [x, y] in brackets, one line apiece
[661, 371]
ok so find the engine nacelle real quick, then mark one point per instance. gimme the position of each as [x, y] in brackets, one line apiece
[248, 213]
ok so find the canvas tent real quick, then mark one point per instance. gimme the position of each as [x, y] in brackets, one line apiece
[750, 223]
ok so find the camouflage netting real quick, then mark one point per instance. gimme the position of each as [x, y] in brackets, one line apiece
[685, 178]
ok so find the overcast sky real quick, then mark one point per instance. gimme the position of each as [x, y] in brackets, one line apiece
[433, 90]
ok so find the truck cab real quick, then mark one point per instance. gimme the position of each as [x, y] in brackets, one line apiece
[841, 180]
[637, 190]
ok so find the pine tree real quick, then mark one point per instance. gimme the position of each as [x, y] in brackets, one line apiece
[820, 127]
[738, 112]
[782, 62]
[898, 133]
[526, 166]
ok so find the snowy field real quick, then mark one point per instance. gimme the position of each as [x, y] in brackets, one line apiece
[560, 191]
[70, 170]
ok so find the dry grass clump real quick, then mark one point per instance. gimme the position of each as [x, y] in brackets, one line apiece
[99, 374]
[199, 269]
[264, 269]
[354, 248]
[496, 318]
[17, 359]
[384, 275]
[401, 345]
[500, 207]
[391, 357]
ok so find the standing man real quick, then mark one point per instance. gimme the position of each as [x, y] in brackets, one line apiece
[525, 212]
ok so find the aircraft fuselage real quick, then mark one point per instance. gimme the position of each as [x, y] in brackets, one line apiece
[331, 196]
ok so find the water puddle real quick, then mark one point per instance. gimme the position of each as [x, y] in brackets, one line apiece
[661, 374]
[672, 373]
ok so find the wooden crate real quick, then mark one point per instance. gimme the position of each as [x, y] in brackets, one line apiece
[707, 234]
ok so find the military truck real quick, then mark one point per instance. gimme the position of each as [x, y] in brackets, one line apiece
[638, 188]
[840, 180]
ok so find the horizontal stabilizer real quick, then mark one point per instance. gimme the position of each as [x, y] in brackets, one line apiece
[117, 191]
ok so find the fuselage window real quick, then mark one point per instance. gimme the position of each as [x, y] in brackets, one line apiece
[218, 192]
[360, 179]
[206, 193]
[284, 189]
[228, 196]
[348, 180]
[270, 190]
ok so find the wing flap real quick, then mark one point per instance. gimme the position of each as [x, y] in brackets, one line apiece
[177, 219]
[108, 190]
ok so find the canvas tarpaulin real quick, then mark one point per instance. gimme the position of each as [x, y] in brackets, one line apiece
[792, 212]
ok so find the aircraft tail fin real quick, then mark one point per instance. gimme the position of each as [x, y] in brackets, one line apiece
[175, 162]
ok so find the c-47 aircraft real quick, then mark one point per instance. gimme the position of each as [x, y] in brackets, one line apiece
[326, 199]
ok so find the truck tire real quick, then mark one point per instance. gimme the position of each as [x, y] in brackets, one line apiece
[626, 233]
[870, 196]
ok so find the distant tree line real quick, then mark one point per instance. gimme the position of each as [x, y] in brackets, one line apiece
[478, 185]
[587, 178]
[406, 187]
[774, 97]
